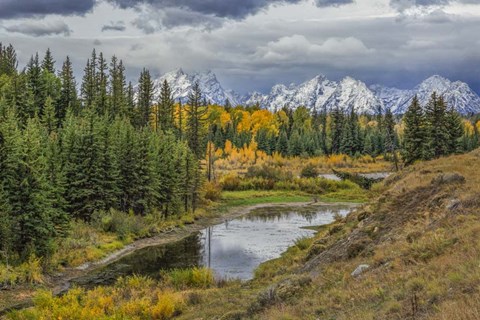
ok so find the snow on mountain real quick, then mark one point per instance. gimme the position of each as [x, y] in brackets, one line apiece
[457, 94]
[312, 94]
[354, 94]
[182, 83]
[319, 93]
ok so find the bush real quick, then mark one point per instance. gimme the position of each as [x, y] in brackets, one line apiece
[268, 172]
[230, 182]
[309, 171]
[189, 278]
[123, 224]
[212, 191]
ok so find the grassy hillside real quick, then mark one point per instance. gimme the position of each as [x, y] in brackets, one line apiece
[419, 239]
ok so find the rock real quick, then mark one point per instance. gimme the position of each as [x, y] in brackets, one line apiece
[360, 269]
[453, 204]
[448, 178]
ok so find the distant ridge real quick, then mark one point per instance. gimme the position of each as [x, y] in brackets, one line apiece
[320, 94]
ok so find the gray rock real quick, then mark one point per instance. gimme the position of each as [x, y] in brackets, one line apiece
[360, 269]
[448, 178]
[453, 204]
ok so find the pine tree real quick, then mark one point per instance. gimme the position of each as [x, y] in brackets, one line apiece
[145, 98]
[34, 76]
[196, 113]
[165, 115]
[282, 143]
[89, 83]
[455, 131]
[435, 116]
[414, 140]
[8, 60]
[101, 102]
[68, 92]
[48, 64]
[391, 137]
[118, 90]
[337, 123]
[295, 145]
[48, 119]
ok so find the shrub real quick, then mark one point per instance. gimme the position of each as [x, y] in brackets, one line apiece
[123, 224]
[309, 171]
[212, 191]
[268, 172]
[230, 182]
[189, 278]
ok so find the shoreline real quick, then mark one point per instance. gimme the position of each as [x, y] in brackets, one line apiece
[61, 282]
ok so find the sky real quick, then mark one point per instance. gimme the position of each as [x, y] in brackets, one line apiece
[253, 44]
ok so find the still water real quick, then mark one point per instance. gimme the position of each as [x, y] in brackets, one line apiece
[232, 249]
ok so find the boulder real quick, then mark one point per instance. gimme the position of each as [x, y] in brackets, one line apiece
[360, 270]
[448, 178]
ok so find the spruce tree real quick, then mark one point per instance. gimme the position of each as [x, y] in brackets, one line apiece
[455, 131]
[414, 140]
[196, 113]
[145, 98]
[48, 64]
[336, 129]
[165, 113]
[89, 83]
[68, 92]
[8, 60]
[436, 123]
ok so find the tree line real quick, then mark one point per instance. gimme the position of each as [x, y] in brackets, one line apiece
[66, 156]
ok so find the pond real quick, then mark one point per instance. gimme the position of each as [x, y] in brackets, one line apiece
[232, 249]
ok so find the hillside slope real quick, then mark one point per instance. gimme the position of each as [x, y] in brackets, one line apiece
[419, 239]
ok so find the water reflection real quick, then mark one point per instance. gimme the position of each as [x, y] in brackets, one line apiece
[232, 249]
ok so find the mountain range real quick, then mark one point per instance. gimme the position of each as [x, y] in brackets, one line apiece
[320, 92]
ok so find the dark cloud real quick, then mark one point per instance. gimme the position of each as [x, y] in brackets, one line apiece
[405, 4]
[11, 9]
[160, 14]
[233, 9]
[114, 26]
[38, 28]
[332, 3]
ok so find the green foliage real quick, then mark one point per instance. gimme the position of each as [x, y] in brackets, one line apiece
[189, 278]
[309, 171]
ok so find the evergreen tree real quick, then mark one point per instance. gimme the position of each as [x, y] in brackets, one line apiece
[282, 143]
[48, 64]
[414, 140]
[165, 114]
[436, 124]
[101, 103]
[145, 98]
[68, 92]
[8, 60]
[34, 76]
[89, 83]
[117, 88]
[391, 137]
[337, 123]
[196, 113]
[455, 131]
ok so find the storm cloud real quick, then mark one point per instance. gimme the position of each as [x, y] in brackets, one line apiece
[11, 9]
[253, 45]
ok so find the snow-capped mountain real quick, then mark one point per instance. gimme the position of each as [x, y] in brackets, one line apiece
[354, 94]
[320, 93]
[457, 94]
[182, 83]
